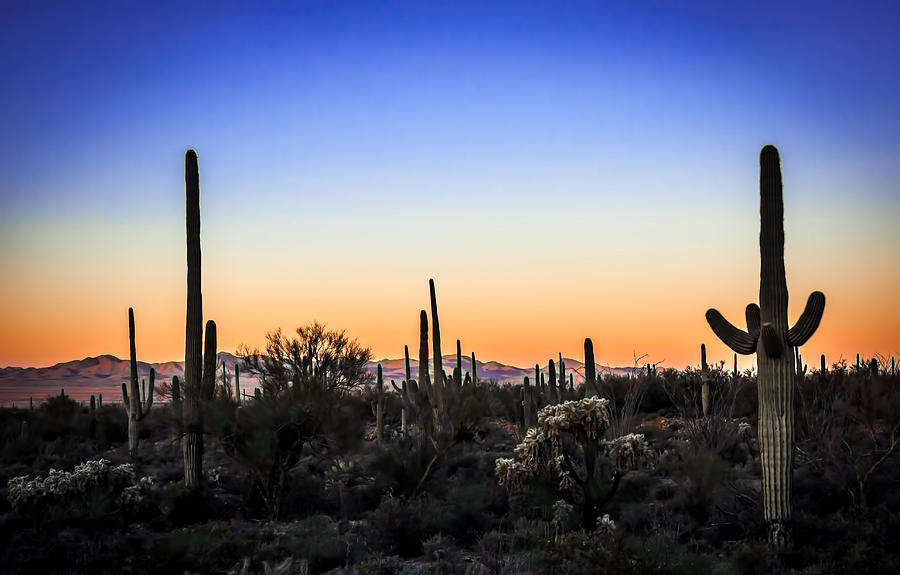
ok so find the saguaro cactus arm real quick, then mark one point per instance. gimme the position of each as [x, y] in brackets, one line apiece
[737, 339]
[809, 320]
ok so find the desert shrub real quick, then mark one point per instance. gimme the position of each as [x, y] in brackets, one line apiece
[182, 506]
[401, 466]
[624, 397]
[397, 527]
[315, 539]
[703, 480]
[267, 438]
[849, 430]
[209, 548]
[380, 565]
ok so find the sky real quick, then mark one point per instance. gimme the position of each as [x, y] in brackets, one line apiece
[561, 169]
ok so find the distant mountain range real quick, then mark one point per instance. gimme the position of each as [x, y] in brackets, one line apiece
[105, 374]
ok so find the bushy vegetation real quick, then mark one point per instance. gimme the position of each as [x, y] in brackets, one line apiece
[293, 485]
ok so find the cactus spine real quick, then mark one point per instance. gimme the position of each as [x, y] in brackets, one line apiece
[770, 337]
[131, 397]
[192, 441]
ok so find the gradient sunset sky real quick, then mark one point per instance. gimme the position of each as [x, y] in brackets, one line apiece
[561, 169]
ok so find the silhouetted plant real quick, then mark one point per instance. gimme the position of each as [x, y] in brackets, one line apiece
[772, 339]
[317, 363]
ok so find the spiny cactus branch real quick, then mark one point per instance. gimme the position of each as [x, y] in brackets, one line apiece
[737, 339]
[809, 320]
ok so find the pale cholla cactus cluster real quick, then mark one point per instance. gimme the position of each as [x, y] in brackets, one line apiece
[539, 453]
[586, 416]
[339, 472]
[605, 526]
[744, 431]
[26, 493]
[629, 451]
[133, 495]
[510, 473]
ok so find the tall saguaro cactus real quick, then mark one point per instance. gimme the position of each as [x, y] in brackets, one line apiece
[192, 441]
[590, 369]
[131, 395]
[379, 407]
[704, 381]
[437, 383]
[770, 337]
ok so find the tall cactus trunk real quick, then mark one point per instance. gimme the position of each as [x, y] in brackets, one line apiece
[458, 373]
[437, 383]
[379, 407]
[474, 370]
[526, 404]
[408, 376]
[704, 381]
[209, 362]
[237, 383]
[774, 357]
[133, 402]
[192, 441]
[423, 383]
[773, 340]
[562, 376]
[590, 369]
[551, 381]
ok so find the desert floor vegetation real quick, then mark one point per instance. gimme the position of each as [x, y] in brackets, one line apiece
[295, 482]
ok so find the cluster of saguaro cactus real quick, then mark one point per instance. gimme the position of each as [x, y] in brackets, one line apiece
[416, 395]
[440, 392]
[770, 337]
[557, 388]
[136, 409]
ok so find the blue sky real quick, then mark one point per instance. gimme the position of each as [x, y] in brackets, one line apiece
[598, 135]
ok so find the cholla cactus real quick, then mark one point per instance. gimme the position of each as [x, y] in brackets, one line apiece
[605, 526]
[568, 448]
[30, 497]
[744, 431]
[629, 451]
